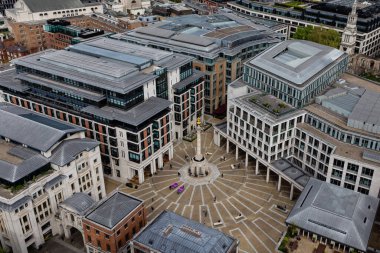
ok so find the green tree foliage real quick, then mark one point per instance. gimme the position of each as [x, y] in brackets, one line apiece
[319, 35]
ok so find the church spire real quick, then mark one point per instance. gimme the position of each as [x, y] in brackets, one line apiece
[349, 34]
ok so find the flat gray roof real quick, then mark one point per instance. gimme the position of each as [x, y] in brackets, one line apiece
[367, 110]
[336, 213]
[34, 130]
[202, 35]
[170, 232]
[113, 209]
[296, 61]
[48, 5]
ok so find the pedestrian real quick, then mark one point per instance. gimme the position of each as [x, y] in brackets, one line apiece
[171, 166]
[215, 199]
[152, 199]
[222, 175]
[152, 208]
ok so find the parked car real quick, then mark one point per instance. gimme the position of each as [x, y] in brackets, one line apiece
[181, 189]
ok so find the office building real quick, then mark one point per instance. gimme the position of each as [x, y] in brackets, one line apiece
[6, 4]
[37, 10]
[220, 43]
[111, 224]
[334, 137]
[170, 232]
[332, 14]
[134, 100]
[295, 71]
[60, 34]
[43, 162]
[337, 217]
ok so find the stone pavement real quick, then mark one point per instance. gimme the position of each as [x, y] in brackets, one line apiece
[238, 202]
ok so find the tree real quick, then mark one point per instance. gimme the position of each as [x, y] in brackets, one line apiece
[319, 35]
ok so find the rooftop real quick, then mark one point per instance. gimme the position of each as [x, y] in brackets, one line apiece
[47, 5]
[353, 104]
[267, 107]
[296, 61]
[67, 150]
[78, 203]
[292, 171]
[104, 63]
[203, 35]
[17, 162]
[135, 116]
[170, 233]
[35, 131]
[113, 209]
[337, 213]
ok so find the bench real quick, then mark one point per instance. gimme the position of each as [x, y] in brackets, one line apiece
[218, 223]
[208, 153]
[239, 217]
[232, 166]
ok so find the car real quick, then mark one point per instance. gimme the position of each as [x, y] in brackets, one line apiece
[181, 189]
[173, 186]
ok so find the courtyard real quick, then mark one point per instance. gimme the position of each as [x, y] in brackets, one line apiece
[237, 202]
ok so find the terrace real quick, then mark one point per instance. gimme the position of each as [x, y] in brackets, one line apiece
[271, 104]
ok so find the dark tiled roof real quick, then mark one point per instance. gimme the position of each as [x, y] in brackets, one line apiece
[15, 205]
[336, 213]
[79, 203]
[54, 181]
[172, 233]
[36, 131]
[69, 149]
[12, 173]
[112, 210]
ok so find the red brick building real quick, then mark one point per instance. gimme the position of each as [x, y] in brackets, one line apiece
[32, 36]
[9, 50]
[112, 223]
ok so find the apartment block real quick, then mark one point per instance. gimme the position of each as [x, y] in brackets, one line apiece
[44, 162]
[134, 100]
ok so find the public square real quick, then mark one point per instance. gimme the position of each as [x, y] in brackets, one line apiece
[237, 202]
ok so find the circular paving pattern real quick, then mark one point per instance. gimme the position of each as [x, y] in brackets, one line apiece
[235, 201]
[213, 174]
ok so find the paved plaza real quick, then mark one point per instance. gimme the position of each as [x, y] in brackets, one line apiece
[237, 202]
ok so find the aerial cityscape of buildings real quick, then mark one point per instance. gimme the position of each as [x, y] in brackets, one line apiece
[138, 126]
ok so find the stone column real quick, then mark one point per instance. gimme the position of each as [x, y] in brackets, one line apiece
[237, 153]
[279, 183]
[141, 176]
[228, 146]
[257, 166]
[171, 152]
[291, 191]
[199, 155]
[246, 159]
[268, 173]
[160, 161]
[153, 166]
